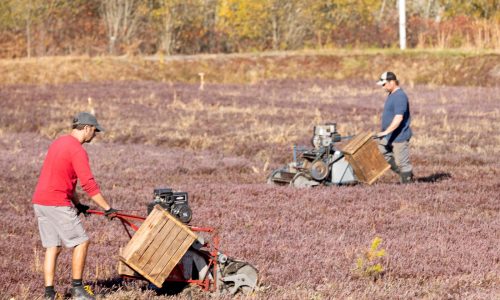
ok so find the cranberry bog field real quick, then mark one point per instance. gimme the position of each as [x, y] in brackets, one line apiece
[437, 238]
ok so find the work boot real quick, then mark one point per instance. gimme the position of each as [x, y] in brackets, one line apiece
[53, 296]
[406, 177]
[50, 293]
[82, 293]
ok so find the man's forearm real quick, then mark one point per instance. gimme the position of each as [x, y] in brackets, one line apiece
[396, 121]
[99, 199]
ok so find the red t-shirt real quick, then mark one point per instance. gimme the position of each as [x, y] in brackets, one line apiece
[66, 162]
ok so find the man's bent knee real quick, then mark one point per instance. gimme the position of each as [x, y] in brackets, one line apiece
[402, 155]
[85, 244]
[53, 250]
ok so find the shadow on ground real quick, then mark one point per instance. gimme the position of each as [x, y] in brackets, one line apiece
[113, 285]
[169, 288]
[436, 177]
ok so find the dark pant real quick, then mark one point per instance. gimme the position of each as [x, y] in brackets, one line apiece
[397, 155]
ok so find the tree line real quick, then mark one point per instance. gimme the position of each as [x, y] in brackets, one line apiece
[96, 27]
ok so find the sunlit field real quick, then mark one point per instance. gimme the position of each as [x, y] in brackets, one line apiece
[219, 142]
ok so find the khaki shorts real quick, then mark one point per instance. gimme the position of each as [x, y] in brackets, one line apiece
[59, 225]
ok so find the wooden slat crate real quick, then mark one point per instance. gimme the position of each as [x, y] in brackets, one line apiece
[124, 270]
[365, 158]
[158, 245]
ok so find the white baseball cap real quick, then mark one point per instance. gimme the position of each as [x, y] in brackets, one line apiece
[386, 77]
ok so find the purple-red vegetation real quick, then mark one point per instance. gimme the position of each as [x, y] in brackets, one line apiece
[441, 234]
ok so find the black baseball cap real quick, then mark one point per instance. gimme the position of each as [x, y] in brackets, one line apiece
[386, 77]
[85, 118]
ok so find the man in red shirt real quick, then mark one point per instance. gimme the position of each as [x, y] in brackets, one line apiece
[57, 207]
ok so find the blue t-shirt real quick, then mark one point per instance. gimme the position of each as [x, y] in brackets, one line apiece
[397, 104]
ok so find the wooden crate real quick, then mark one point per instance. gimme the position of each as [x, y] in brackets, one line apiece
[158, 245]
[365, 158]
[124, 270]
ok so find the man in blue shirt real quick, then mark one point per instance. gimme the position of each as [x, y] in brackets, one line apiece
[396, 131]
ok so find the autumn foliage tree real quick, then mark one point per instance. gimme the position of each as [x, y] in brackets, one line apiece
[94, 27]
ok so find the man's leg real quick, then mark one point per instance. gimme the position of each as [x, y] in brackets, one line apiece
[78, 291]
[52, 244]
[79, 257]
[387, 152]
[402, 156]
[74, 236]
[49, 270]
[49, 264]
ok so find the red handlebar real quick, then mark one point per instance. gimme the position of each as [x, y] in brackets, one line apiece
[118, 215]
[126, 218]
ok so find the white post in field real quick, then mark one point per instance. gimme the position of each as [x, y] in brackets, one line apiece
[202, 81]
[402, 24]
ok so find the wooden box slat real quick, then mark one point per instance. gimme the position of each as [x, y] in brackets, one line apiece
[158, 246]
[148, 245]
[124, 270]
[365, 158]
[356, 143]
[166, 247]
[175, 258]
[142, 238]
[142, 258]
[173, 249]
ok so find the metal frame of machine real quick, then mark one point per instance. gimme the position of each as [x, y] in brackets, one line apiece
[321, 164]
[216, 271]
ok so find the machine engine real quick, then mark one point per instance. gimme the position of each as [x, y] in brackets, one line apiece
[325, 135]
[322, 164]
[175, 203]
